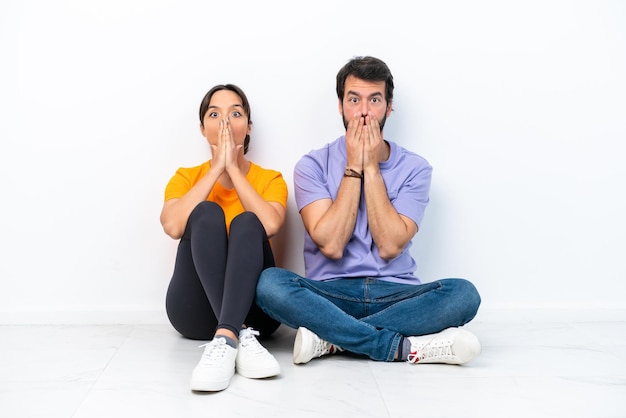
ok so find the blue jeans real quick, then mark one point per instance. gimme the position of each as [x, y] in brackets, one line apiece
[364, 315]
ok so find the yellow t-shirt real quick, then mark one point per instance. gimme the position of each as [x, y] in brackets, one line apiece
[269, 184]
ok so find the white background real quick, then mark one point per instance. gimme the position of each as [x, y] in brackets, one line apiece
[519, 106]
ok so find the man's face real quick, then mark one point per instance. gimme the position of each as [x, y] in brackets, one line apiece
[361, 96]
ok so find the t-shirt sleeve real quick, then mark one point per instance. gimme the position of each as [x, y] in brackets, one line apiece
[180, 183]
[310, 181]
[276, 189]
[413, 195]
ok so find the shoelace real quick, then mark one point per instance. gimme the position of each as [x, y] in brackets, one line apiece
[214, 351]
[428, 351]
[323, 347]
[247, 338]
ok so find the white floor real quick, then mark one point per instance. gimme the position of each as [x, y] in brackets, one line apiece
[525, 370]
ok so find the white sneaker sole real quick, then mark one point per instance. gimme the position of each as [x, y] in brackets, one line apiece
[303, 339]
[209, 386]
[259, 373]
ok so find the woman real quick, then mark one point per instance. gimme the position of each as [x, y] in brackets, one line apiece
[224, 212]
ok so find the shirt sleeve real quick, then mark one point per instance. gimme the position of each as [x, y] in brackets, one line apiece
[276, 189]
[181, 182]
[413, 194]
[310, 181]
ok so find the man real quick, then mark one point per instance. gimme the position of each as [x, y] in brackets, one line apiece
[362, 198]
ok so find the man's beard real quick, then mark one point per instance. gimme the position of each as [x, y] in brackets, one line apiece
[380, 122]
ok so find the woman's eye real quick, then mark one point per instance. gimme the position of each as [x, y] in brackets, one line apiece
[213, 114]
[237, 114]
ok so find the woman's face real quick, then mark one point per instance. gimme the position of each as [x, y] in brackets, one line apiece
[225, 104]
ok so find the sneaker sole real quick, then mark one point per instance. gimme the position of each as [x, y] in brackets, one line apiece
[209, 386]
[259, 373]
[467, 349]
[301, 337]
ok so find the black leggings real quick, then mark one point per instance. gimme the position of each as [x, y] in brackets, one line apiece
[215, 276]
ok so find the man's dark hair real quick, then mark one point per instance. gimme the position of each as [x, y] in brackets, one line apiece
[365, 68]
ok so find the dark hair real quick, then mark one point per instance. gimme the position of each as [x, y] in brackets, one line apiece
[365, 68]
[206, 101]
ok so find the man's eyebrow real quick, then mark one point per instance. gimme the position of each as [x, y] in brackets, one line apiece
[354, 93]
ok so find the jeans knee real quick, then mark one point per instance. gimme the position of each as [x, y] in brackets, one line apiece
[471, 297]
[274, 285]
[263, 285]
[473, 294]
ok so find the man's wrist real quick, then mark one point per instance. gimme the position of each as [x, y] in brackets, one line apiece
[352, 173]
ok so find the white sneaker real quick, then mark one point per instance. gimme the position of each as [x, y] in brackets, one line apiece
[308, 346]
[450, 346]
[216, 366]
[253, 360]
